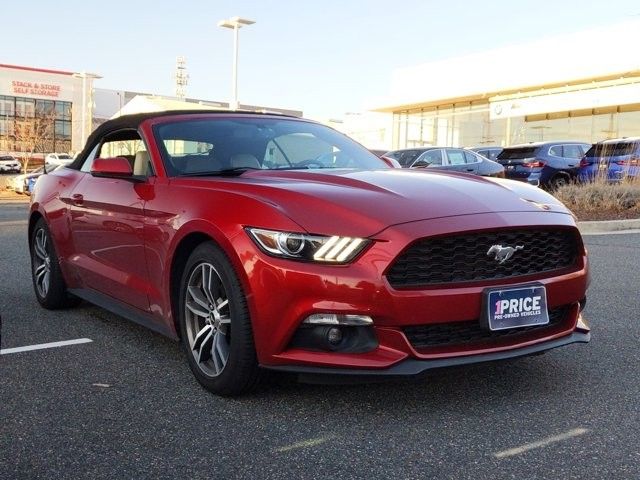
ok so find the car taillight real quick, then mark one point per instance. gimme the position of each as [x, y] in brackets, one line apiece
[535, 164]
[584, 162]
[633, 162]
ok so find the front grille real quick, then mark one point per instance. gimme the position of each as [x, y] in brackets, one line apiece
[463, 258]
[469, 333]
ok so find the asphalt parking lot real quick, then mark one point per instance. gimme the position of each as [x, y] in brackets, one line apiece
[125, 405]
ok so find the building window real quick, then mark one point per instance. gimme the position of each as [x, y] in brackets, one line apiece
[7, 106]
[25, 107]
[34, 126]
[44, 107]
[63, 110]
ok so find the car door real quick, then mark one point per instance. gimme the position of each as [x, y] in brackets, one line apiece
[457, 161]
[107, 225]
[573, 152]
[473, 162]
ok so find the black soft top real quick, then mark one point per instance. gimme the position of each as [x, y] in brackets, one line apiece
[133, 121]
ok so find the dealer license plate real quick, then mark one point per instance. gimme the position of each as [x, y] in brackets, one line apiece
[521, 306]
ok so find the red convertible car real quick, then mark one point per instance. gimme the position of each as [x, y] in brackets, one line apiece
[270, 242]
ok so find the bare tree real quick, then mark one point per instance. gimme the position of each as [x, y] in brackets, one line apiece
[34, 134]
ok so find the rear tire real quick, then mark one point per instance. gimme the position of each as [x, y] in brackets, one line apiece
[558, 181]
[48, 282]
[215, 324]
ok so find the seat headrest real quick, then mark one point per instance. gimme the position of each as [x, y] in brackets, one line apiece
[142, 163]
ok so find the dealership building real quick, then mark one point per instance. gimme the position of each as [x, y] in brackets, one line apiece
[583, 86]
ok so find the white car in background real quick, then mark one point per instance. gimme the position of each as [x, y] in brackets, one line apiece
[9, 164]
[56, 159]
[19, 182]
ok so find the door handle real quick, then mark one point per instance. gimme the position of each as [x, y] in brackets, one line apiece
[77, 198]
[470, 169]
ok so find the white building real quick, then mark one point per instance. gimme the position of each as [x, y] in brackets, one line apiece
[583, 86]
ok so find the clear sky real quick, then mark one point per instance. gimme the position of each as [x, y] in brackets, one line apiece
[324, 57]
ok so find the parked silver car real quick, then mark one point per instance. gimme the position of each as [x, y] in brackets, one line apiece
[448, 159]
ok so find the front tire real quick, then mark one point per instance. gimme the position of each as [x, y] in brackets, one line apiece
[48, 282]
[215, 324]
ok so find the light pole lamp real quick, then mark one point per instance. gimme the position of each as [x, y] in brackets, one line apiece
[235, 23]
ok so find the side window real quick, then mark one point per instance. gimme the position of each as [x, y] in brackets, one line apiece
[432, 157]
[408, 157]
[127, 144]
[572, 151]
[471, 158]
[456, 157]
[556, 151]
[126, 148]
[86, 166]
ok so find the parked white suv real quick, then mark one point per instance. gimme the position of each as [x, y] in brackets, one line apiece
[9, 164]
[56, 159]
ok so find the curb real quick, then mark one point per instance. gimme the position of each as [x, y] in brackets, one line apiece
[608, 226]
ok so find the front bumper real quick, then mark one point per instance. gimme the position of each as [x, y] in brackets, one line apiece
[283, 293]
[413, 367]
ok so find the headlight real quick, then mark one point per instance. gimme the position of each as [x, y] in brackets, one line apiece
[300, 246]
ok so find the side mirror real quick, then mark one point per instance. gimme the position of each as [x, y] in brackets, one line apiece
[392, 162]
[115, 167]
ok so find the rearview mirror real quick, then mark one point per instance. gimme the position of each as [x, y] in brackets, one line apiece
[118, 167]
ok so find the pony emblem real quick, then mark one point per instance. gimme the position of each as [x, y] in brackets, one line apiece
[502, 254]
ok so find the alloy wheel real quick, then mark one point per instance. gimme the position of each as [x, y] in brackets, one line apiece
[41, 262]
[208, 319]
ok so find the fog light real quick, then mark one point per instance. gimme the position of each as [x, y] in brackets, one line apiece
[338, 319]
[334, 336]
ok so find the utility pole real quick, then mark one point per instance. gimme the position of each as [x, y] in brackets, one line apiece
[181, 77]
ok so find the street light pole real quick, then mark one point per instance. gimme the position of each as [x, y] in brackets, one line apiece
[235, 23]
[234, 88]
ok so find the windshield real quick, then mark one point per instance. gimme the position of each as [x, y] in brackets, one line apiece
[611, 149]
[214, 145]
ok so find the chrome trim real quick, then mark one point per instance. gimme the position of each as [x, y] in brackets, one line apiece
[338, 319]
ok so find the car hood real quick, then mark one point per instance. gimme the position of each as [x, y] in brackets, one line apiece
[363, 203]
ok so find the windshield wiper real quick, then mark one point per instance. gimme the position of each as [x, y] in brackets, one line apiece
[225, 172]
